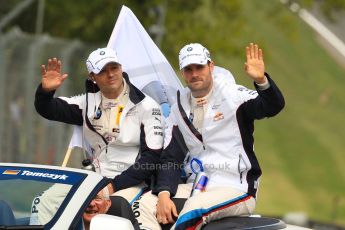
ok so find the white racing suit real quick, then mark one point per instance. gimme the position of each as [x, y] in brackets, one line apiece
[129, 159]
[224, 145]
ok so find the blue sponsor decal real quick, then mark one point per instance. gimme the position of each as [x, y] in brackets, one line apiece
[39, 174]
[98, 114]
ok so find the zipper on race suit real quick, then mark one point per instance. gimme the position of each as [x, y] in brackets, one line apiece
[239, 167]
[89, 125]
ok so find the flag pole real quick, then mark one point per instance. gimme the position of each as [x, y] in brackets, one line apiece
[67, 156]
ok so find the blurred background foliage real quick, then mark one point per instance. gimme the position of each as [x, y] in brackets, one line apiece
[93, 21]
[302, 149]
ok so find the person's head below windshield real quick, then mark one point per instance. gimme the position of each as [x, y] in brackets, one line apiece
[99, 205]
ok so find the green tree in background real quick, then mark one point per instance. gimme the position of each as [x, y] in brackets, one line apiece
[211, 21]
[216, 24]
[91, 21]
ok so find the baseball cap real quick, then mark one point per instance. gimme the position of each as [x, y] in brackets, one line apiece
[99, 58]
[193, 53]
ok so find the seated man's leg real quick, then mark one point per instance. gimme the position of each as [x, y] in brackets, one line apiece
[144, 210]
[145, 207]
[214, 204]
[131, 194]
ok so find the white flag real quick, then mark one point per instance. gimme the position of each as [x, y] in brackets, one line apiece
[78, 139]
[147, 67]
[145, 64]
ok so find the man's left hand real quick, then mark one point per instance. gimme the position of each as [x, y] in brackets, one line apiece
[254, 65]
[166, 209]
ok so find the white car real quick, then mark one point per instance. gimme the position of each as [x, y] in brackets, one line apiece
[22, 184]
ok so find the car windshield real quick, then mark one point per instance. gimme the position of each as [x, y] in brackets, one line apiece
[26, 192]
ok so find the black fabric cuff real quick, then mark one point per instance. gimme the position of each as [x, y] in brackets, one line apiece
[159, 189]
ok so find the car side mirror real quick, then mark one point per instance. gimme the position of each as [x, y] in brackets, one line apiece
[107, 222]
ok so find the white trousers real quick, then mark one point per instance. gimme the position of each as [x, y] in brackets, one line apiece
[200, 209]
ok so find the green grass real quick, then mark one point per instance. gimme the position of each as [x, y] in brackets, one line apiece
[301, 151]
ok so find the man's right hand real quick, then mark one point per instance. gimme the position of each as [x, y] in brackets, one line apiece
[166, 209]
[52, 77]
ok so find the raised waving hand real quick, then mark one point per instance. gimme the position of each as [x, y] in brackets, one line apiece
[255, 66]
[52, 77]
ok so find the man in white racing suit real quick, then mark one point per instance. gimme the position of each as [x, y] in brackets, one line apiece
[210, 130]
[121, 124]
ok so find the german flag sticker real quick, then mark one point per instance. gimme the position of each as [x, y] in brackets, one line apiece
[11, 172]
